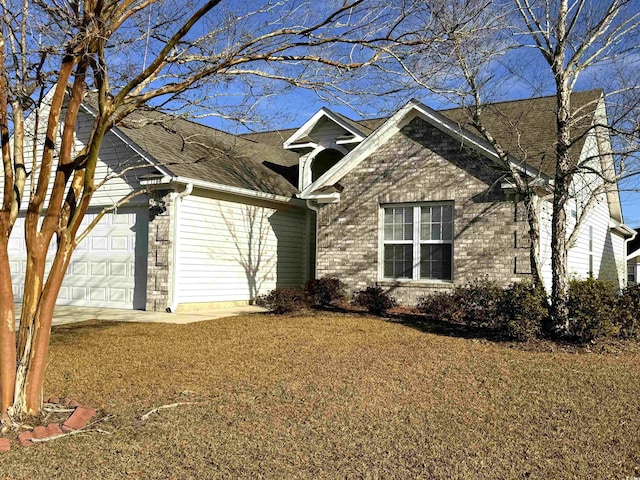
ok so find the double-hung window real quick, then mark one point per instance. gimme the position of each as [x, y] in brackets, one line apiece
[418, 241]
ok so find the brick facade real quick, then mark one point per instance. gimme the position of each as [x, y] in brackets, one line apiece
[160, 244]
[422, 164]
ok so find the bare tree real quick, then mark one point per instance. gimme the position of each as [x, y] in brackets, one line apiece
[131, 52]
[484, 50]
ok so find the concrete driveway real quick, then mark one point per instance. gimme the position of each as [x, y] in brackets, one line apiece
[67, 314]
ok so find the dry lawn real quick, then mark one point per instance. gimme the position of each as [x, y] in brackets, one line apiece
[334, 396]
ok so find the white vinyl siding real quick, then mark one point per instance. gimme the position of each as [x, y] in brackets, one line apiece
[114, 156]
[597, 249]
[233, 251]
[417, 242]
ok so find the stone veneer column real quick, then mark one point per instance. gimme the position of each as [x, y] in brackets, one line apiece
[160, 257]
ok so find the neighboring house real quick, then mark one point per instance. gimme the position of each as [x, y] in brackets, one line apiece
[633, 260]
[414, 203]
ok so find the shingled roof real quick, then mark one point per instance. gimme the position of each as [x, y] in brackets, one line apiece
[191, 150]
[524, 128]
[527, 128]
[258, 162]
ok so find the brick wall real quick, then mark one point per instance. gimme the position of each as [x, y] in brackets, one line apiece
[159, 262]
[422, 164]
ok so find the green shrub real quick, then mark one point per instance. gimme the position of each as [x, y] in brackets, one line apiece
[591, 309]
[523, 309]
[325, 291]
[441, 306]
[627, 311]
[479, 300]
[283, 300]
[375, 300]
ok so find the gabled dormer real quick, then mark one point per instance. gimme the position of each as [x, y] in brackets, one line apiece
[322, 142]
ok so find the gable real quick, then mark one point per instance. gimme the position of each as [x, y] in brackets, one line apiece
[522, 126]
[419, 160]
[325, 128]
[391, 127]
[113, 169]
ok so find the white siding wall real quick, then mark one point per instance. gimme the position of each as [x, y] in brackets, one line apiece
[607, 248]
[633, 270]
[230, 251]
[114, 157]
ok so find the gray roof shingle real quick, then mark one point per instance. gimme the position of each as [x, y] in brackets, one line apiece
[257, 161]
[524, 128]
[192, 150]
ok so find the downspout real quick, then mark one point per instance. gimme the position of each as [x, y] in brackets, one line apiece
[176, 223]
[315, 240]
[626, 262]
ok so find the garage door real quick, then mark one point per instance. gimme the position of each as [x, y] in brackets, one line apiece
[108, 269]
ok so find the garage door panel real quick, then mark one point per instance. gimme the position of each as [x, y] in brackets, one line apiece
[98, 294]
[98, 244]
[106, 269]
[98, 269]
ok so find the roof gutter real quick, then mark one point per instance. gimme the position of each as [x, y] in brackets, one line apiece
[626, 231]
[218, 187]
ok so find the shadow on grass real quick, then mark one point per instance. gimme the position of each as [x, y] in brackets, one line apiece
[448, 329]
[424, 324]
[71, 331]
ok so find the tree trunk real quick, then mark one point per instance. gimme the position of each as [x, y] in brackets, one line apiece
[561, 195]
[533, 220]
[33, 283]
[560, 285]
[30, 380]
[7, 332]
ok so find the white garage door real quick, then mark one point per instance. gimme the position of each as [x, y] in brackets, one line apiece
[108, 269]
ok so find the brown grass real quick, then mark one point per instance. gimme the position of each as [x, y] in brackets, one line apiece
[334, 396]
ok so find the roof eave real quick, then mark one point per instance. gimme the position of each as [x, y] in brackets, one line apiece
[218, 187]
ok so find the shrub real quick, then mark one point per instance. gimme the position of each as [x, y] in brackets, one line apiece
[475, 304]
[441, 306]
[626, 313]
[591, 309]
[325, 291]
[283, 300]
[479, 300]
[375, 300]
[523, 309]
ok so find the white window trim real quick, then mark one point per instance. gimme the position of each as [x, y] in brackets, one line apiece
[416, 242]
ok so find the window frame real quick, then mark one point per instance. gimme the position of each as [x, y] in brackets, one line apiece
[416, 241]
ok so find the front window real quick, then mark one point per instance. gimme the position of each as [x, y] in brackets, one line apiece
[418, 242]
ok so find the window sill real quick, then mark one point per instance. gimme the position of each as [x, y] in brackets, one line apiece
[386, 282]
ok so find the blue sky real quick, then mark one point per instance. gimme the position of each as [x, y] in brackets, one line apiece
[518, 74]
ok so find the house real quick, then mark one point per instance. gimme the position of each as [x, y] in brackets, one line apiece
[633, 260]
[414, 202]
[418, 203]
